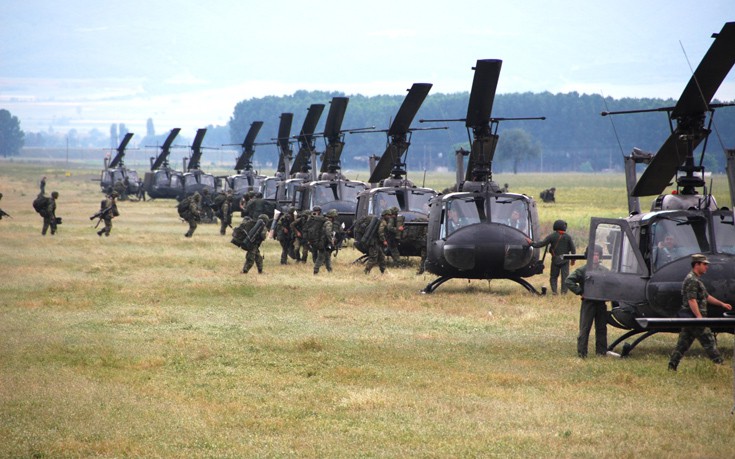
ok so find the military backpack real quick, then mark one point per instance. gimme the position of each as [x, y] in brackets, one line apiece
[183, 208]
[41, 203]
[313, 229]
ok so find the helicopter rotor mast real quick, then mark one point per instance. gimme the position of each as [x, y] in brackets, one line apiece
[118, 159]
[162, 158]
[392, 161]
[689, 113]
[306, 138]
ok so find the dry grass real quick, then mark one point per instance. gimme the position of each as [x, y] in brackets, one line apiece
[149, 344]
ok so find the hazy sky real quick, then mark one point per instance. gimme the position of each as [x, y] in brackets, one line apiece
[83, 64]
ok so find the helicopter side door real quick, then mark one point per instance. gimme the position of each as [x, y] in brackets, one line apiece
[623, 274]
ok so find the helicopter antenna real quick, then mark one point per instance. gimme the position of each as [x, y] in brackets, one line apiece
[617, 138]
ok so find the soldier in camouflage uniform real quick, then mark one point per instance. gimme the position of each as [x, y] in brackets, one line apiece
[590, 310]
[225, 213]
[694, 302]
[376, 245]
[49, 214]
[110, 206]
[285, 236]
[560, 243]
[253, 255]
[393, 230]
[194, 213]
[326, 243]
[120, 188]
[300, 247]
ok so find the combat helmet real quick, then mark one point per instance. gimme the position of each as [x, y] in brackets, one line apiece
[332, 213]
[394, 210]
[560, 225]
[316, 209]
[263, 217]
[55, 194]
[197, 197]
[385, 213]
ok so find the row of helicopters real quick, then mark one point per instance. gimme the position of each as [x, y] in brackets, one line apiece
[468, 229]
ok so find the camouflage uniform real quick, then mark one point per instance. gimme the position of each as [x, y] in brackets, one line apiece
[376, 244]
[120, 189]
[107, 217]
[299, 240]
[393, 233]
[326, 243]
[284, 234]
[225, 213]
[194, 213]
[693, 288]
[253, 254]
[560, 243]
[49, 214]
[590, 311]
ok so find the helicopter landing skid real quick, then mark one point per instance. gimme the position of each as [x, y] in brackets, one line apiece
[627, 347]
[433, 285]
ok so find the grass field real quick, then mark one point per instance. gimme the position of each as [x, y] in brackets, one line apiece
[148, 344]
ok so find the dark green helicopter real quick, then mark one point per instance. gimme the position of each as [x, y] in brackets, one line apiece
[196, 180]
[162, 181]
[116, 171]
[648, 254]
[330, 190]
[472, 233]
[394, 189]
[274, 188]
[246, 179]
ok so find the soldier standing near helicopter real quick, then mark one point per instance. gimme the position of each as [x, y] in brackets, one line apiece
[376, 245]
[326, 243]
[225, 213]
[695, 299]
[108, 211]
[255, 238]
[285, 236]
[560, 243]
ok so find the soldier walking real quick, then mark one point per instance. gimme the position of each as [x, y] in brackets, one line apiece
[257, 232]
[108, 211]
[326, 243]
[191, 212]
[299, 239]
[225, 213]
[559, 243]
[695, 299]
[285, 236]
[377, 244]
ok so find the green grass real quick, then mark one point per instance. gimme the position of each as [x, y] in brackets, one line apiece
[148, 344]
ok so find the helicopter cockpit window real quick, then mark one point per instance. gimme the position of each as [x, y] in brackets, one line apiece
[351, 190]
[460, 213]
[510, 212]
[240, 184]
[324, 194]
[174, 181]
[207, 180]
[724, 231]
[618, 252]
[383, 200]
[190, 180]
[418, 201]
[269, 189]
[117, 175]
[678, 237]
[133, 176]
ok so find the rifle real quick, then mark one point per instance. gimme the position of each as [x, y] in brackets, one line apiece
[4, 214]
[101, 215]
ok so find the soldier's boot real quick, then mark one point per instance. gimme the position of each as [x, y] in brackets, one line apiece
[259, 265]
[99, 233]
[674, 360]
[382, 270]
[246, 267]
[284, 258]
[188, 234]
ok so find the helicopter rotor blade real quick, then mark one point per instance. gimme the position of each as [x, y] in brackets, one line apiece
[484, 85]
[710, 74]
[313, 114]
[693, 103]
[284, 132]
[657, 176]
[165, 149]
[247, 154]
[120, 151]
[332, 131]
[391, 156]
[410, 106]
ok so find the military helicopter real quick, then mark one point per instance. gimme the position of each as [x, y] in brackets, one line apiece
[116, 171]
[246, 178]
[279, 188]
[163, 181]
[332, 190]
[395, 189]
[647, 255]
[471, 232]
[196, 180]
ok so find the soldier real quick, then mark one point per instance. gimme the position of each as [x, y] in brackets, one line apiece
[694, 304]
[108, 211]
[300, 246]
[253, 252]
[376, 245]
[49, 214]
[393, 229]
[285, 236]
[549, 195]
[312, 231]
[120, 188]
[326, 243]
[560, 243]
[192, 213]
[590, 310]
[2, 212]
[225, 213]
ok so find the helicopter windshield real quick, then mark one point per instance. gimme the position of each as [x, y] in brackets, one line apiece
[510, 211]
[724, 231]
[462, 212]
[675, 238]
[383, 200]
[419, 201]
[241, 184]
[207, 180]
[269, 188]
[336, 191]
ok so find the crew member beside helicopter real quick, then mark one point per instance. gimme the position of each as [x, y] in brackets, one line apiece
[559, 243]
[694, 304]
